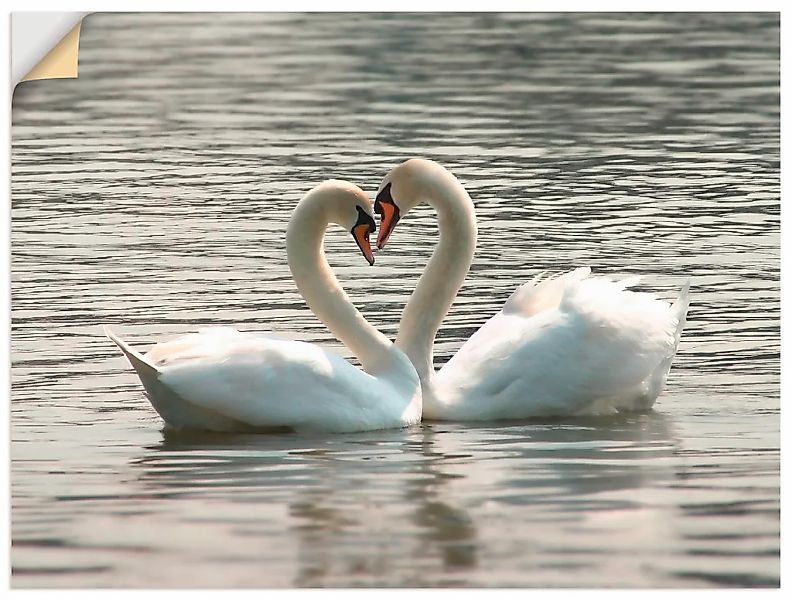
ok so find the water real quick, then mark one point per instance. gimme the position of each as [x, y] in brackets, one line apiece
[153, 193]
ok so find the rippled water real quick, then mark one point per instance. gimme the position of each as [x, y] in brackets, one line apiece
[153, 193]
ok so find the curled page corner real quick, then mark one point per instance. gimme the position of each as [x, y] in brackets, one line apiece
[44, 45]
[59, 62]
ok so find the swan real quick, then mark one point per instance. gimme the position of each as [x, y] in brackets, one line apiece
[222, 379]
[572, 344]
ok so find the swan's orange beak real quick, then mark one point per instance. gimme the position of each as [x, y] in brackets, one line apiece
[361, 234]
[386, 208]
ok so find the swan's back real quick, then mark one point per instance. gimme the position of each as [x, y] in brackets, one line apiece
[578, 345]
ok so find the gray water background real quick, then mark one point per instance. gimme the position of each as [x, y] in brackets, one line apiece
[152, 193]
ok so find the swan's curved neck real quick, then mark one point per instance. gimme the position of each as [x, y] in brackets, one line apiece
[445, 272]
[324, 295]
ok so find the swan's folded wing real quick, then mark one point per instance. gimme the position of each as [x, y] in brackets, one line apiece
[537, 295]
[269, 382]
[600, 343]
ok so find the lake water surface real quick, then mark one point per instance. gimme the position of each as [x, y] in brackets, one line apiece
[152, 193]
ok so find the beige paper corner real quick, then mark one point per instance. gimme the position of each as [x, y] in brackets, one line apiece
[61, 61]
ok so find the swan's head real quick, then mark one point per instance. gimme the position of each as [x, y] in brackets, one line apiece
[347, 205]
[406, 186]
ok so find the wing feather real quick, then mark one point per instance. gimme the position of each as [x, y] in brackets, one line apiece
[538, 295]
[566, 345]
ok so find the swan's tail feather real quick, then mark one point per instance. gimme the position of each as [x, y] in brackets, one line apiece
[680, 308]
[176, 411]
[145, 370]
[655, 383]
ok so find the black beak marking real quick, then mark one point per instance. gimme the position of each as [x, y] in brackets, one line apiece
[385, 198]
[365, 219]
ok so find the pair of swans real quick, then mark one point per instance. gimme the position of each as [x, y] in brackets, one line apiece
[567, 345]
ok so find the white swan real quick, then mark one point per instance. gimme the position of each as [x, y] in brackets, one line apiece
[567, 345]
[223, 380]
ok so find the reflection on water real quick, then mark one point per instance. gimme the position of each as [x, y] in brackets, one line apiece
[153, 193]
[401, 508]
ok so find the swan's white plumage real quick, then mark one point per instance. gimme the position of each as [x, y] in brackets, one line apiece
[539, 294]
[565, 345]
[222, 379]
[572, 344]
[261, 382]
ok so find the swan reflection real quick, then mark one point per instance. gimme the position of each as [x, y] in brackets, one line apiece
[404, 507]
